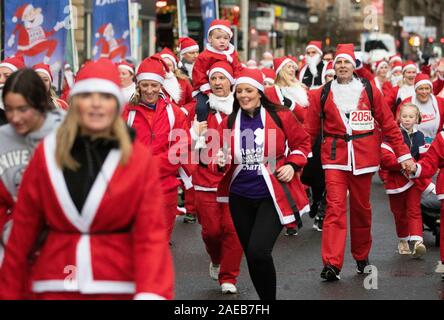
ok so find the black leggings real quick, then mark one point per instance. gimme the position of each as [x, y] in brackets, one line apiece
[258, 227]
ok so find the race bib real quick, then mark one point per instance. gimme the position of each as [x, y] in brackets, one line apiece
[361, 120]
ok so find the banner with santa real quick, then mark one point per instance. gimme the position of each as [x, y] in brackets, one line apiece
[37, 30]
[111, 30]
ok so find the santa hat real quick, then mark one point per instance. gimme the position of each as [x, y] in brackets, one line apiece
[252, 77]
[279, 63]
[101, 31]
[330, 70]
[153, 68]
[224, 25]
[187, 45]
[269, 74]
[346, 51]
[408, 65]
[167, 53]
[13, 63]
[379, 64]
[126, 66]
[45, 69]
[397, 66]
[422, 79]
[21, 11]
[100, 76]
[223, 67]
[396, 57]
[317, 45]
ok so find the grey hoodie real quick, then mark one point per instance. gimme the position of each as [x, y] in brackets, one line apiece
[16, 150]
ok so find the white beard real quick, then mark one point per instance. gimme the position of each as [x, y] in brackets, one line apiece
[296, 93]
[312, 63]
[172, 87]
[396, 80]
[346, 96]
[221, 104]
[267, 64]
[406, 91]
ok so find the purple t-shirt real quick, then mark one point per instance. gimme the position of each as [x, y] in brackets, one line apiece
[250, 182]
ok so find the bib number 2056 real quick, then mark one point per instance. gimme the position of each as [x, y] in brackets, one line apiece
[362, 120]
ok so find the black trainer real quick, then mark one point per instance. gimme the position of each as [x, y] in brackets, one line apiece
[318, 223]
[360, 266]
[291, 232]
[189, 218]
[330, 273]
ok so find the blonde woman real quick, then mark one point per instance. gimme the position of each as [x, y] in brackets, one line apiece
[96, 191]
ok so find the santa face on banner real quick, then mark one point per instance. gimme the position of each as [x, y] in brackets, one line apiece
[109, 46]
[30, 36]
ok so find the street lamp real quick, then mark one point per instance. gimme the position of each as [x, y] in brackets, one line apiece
[161, 4]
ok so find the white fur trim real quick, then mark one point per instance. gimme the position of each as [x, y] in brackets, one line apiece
[422, 82]
[170, 57]
[404, 158]
[9, 66]
[346, 56]
[224, 28]
[224, 72]
[124, 66]
[172, 87]
[150, 76]
[314, 47]
[44, 72]
[98, 85]
[346, 96]
[189, 49]
[205, 87]
[401, 189]
[148, 296]
[288, 60]
[250, 81]
[410, 66]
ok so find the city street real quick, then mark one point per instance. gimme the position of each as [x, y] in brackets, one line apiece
[298, 264]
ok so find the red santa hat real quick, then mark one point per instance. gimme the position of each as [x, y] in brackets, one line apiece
[126, 66]
[21, 11]
[317, 45]
[397, 66]
[99, 76]
[13, 63]
[269, 74]
[101, 31]
[330, 70]
[253, 77]
[223, 67]
[409, 65]
[279, 63]
[224, 25]
[187, 45]
[152, 68]
[45, 69]
[167, 53]
[396, 57]
[346, 51]
[379, 64]
[422, 79]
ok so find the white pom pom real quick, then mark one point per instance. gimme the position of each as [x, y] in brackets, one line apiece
[14, 19]
[97, 35]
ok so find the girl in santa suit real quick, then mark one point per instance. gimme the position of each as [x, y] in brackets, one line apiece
[156, 121]
[127, 72]
[430, 106]
[218, 231]
[288, 90]
[405, 194]
[102, 209]
[261, 199]
[44, 71]
[8, 67]
[406, 87]
[31, 118]
[381, 80]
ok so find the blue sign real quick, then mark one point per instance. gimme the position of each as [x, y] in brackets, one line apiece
[208, 10]
[37, 30]
[111, 30]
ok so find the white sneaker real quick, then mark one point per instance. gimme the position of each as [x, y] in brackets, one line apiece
[403, 247]
[214, 271]
[228, 288]
[419, 250]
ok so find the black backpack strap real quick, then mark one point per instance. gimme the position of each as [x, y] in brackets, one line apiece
[369, 91]
[273, 114]
[324, 95]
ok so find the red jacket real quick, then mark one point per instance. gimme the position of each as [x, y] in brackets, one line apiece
[118, 244]
[187, 92]
[392, 98]
[438, 85]
[396, 182]
[386, 88]
[299, 148]
[274, 94]
[205, 60]
[433, 160]
[361, 155]
[155, 129]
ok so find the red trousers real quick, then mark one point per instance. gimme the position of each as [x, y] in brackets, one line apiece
[219, 235]
[79, 296]
[406, 208]
[334, 233]
[170, 210]
[189, 201]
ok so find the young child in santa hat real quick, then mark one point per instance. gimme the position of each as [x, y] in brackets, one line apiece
[218, 48]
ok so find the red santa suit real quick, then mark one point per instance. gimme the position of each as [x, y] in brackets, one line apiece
[299, 99]
[113, 251]
[427, 166]
[350, 155]
[404, 195]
